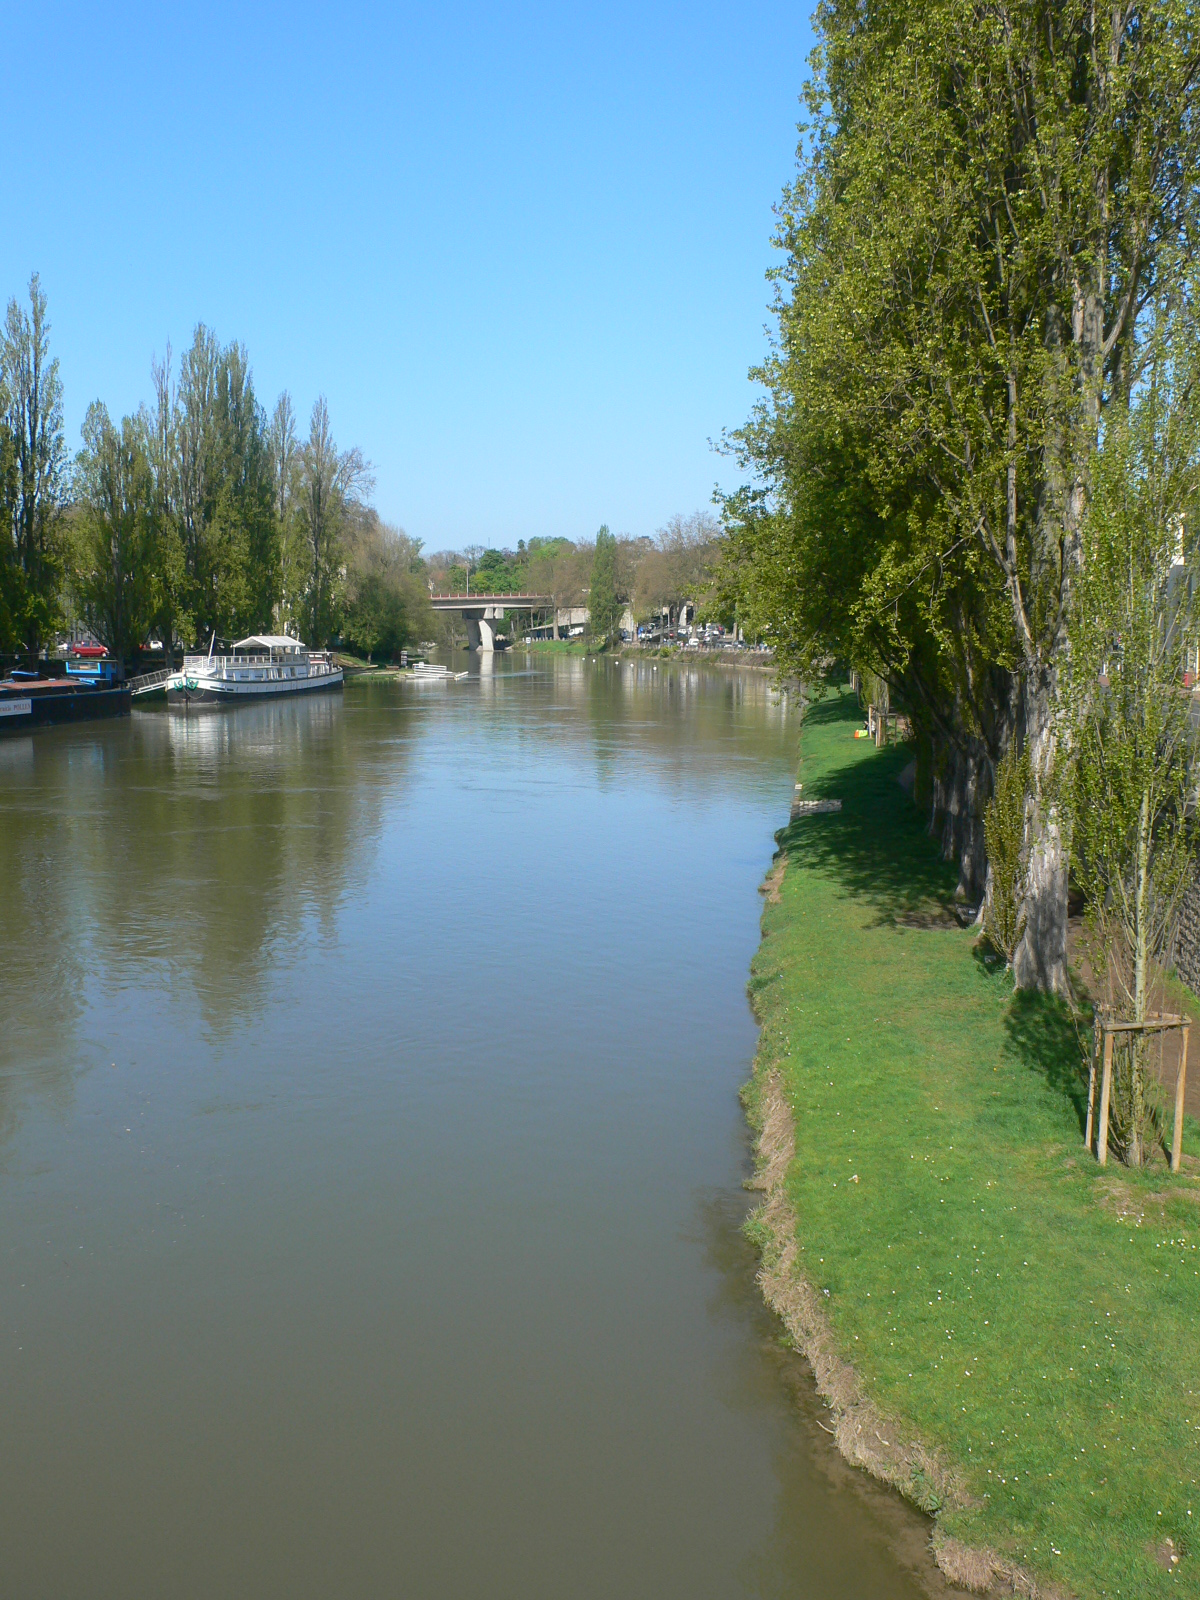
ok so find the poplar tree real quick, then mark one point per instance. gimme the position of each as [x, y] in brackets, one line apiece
[604, 606]
[159, 427]
[35, 442]
[284, 457]
[990, 195]
[115, 532]
[222, 481]
[1129, 726]
[328, 480]
[12, 587]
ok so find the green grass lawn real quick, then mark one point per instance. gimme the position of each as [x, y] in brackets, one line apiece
[1028, 1314]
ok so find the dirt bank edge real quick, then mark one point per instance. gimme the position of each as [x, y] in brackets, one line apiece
[863, 1435]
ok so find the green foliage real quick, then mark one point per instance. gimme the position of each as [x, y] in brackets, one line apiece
[1128, 723]
[872, 690]
[499, 572]
[651, 575]
[604, 603]
[329, 482]
[224, 493]
[1004, 830]
[115, 532]
[989, 198]
[13, 591]
[198, 517]
[677, 567]
[385, 604]
[992, 1297]
[911, 449]
[33, 459]
[374, 620]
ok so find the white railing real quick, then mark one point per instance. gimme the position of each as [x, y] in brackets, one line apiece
[148, 680]
[246, 669]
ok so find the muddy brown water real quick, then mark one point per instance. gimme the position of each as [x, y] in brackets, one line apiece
[371, 1157]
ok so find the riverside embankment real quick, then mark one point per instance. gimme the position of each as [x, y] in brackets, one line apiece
[1003, 1329]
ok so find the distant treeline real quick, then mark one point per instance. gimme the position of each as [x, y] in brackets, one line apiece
[649, 576]
[202, 515]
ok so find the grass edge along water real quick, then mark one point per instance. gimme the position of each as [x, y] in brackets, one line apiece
[978, 1283]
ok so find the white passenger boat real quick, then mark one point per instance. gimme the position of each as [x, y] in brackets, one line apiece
[259, 668]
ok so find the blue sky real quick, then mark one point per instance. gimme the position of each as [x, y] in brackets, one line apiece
[521, 249]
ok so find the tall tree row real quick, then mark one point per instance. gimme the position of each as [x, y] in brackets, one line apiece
[197, 517]
[995, 202]
[32, 474]
[201, 517]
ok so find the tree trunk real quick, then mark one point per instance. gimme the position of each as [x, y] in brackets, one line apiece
[961, 782]
[1141, 975]
[977, 784]
[1040, 961]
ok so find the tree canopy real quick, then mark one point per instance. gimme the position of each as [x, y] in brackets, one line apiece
[990, 197]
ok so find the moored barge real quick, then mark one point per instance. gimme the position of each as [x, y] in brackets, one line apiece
[262, 667]
[92, 685]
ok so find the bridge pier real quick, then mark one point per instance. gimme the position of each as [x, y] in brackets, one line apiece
[484, 614]
[483, 625]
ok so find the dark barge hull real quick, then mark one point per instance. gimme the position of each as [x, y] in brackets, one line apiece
[49, 706]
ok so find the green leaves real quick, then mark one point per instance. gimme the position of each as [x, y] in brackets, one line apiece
[115, 533]
[1134, 633]
[32, 461]
[991, 201]
[604, 604]
[1004, 831]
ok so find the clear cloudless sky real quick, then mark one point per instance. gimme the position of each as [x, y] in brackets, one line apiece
[521, 249]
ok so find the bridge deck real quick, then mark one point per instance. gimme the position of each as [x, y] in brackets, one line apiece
[455, 602]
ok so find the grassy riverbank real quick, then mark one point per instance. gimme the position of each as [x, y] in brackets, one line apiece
[1029, 1316]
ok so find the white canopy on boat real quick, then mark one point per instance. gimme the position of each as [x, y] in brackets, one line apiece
[270, 641]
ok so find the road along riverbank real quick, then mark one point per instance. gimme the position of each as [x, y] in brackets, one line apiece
[1001, 1328]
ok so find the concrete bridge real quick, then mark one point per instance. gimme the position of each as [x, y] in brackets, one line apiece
[483, 613]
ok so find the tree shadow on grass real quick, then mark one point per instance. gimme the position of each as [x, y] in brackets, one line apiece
[1043, 1034]
[876, 846]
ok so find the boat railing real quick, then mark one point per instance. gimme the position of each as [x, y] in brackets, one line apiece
[221, 666]
[146, 681]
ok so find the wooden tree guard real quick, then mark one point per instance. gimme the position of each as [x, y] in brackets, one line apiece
[878, 721]
[1102, 1050]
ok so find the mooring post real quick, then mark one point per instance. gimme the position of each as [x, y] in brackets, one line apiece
[1180, 1087]
[1105, 1092]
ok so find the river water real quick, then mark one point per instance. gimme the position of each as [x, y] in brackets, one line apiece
[371, 1157]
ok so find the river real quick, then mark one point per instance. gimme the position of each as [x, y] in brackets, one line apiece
[371, 1159]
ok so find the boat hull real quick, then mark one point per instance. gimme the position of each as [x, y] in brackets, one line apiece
[236, 694]
[41, 708]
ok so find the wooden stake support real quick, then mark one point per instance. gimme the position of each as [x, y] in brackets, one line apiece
[1091, 1110]
[1180, 1086]
[1105, 1030]
[1105, 1096]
